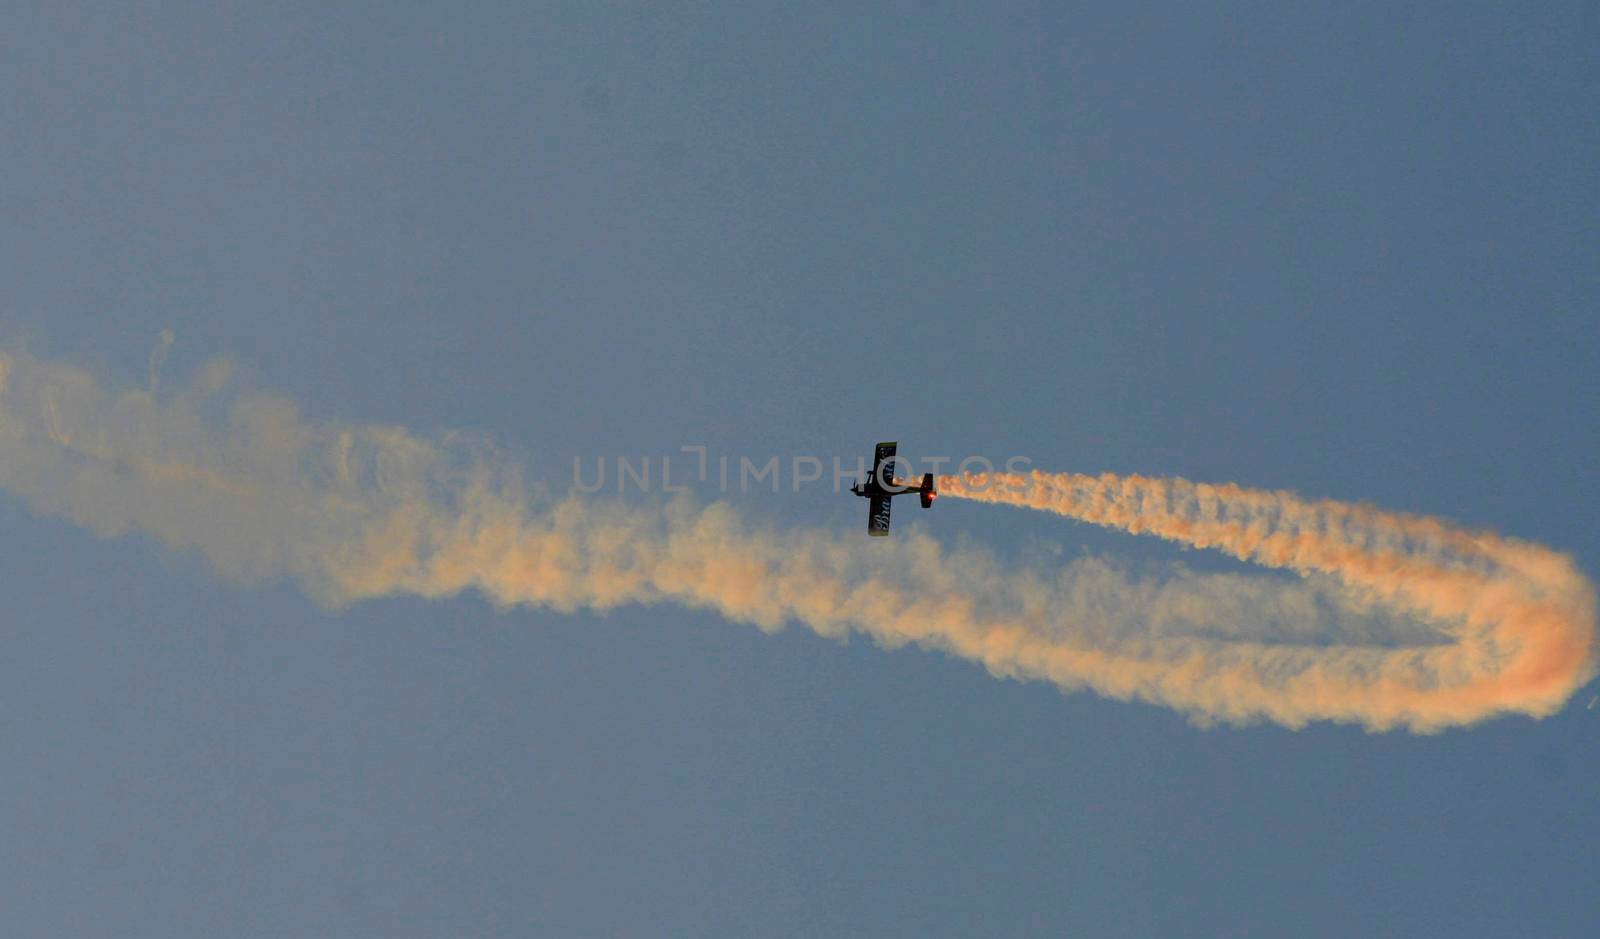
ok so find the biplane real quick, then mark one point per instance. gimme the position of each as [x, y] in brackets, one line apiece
[881, 486]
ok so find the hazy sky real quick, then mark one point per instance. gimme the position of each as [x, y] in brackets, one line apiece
[1346, 252]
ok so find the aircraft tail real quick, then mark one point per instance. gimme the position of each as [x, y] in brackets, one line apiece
[927, 493]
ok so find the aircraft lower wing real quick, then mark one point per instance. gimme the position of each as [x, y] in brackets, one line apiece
[878, 516]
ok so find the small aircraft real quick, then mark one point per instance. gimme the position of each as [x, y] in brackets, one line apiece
[880, 488]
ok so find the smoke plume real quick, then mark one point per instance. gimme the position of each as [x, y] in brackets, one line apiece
[1373, 618]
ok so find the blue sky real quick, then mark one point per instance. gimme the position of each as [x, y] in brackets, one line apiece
[1345, 252]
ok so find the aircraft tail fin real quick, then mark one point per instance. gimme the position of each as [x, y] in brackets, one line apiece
[927, 493]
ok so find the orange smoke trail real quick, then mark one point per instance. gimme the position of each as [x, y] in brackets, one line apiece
[1520, 616]
[1490, 625]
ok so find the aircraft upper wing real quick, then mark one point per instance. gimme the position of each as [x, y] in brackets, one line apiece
[878, 516]
[884, 452]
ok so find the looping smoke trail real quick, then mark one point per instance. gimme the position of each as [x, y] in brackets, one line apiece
[1396, 622]
[1520, 618]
